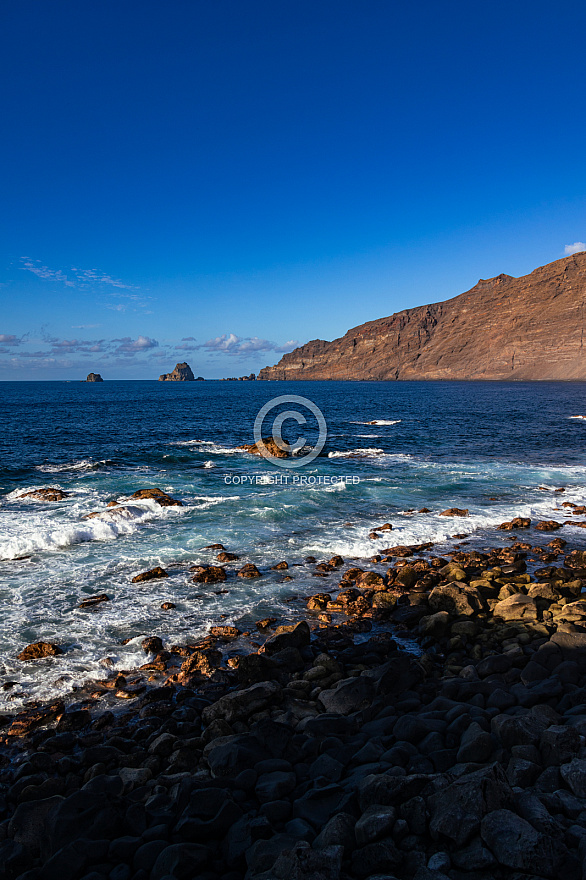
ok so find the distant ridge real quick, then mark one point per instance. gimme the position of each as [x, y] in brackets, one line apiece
[503, 328]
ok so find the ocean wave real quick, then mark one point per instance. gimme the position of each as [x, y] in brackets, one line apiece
[84, 464]
[41, 533]
[379, 422]
[356, 453]
[582, 418]
[208, 446]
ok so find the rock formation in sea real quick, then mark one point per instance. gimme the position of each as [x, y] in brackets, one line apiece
[94, 377]
[503, 328]
[181, 373]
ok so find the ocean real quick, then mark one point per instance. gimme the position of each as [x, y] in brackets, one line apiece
[498, 449]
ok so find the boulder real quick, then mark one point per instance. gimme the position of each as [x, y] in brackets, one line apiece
[574, 775]
[294, 636]
[517, 845]
[150, 575]
[158, 496]
[249, 571]
[348, 695]
[238, 705]
[456, 599]
[225, 633]
[458, 809]
[37, 650]
[50, 494]
[454, 511]
[548, 525]
[516, 607]
[208, 574]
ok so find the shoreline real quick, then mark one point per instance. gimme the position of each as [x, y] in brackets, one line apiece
[330, 751]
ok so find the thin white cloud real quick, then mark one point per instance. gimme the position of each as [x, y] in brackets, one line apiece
[575, 248]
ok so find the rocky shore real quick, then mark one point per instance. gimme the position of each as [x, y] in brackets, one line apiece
[329, 751]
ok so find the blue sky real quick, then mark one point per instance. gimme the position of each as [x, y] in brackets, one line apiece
[218, 181]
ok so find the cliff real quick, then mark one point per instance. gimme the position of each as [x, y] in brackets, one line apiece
[181, 373]
[503, 328]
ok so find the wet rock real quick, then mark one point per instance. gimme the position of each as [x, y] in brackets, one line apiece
[168, 606]
[455, 511]
[49, 494]
[318, 602]
[150, 575]
[280, 566]
[37, 650]
[519, 522]
[224, 556]
[158, 496]
[92, 601]
[249, 571]
[517, 845]
[548, 525]
[152, 645]
[225, 633]
[208, 574]
[200, 662]
[271, 449]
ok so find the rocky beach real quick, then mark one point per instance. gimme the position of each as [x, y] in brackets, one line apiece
[418, 716]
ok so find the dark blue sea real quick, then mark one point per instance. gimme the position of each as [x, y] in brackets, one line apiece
[498, 449]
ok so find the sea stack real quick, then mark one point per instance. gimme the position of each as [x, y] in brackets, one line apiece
[94, 377]
[181, 373]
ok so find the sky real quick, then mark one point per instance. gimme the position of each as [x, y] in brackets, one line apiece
[218, 181]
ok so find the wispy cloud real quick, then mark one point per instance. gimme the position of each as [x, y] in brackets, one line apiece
[74, 277]
[575, 248]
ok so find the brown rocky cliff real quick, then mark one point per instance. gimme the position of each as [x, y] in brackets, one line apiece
[504, 328]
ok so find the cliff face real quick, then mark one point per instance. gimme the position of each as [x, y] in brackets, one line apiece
[181, 373]
[504, 328]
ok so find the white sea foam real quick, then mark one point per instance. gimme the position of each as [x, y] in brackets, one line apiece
[356, 453]
[582, 418]
[379, 422]
[84, 464]
[208, 446]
